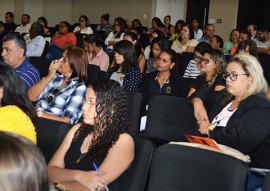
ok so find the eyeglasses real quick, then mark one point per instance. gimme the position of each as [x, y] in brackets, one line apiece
[233, 76]
[206, 60]
[62, 26]
[50, 98]
[198, 57]
[82, 20]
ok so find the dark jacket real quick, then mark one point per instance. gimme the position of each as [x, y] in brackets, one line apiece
[248, 130]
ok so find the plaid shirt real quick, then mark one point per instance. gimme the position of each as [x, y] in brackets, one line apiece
[67, 102]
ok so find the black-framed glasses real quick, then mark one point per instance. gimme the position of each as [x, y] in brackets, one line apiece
[233, 76]
[81, 20]
[51, 96]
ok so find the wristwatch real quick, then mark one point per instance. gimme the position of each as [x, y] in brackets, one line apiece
[210, 129]
[39, 113]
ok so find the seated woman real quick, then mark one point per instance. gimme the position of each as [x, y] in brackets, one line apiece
[103, 138]
[116, 35]
[17, 113]
[136, 23]
[232, 41]
[148, 42]
[62, 40]
[169, 27]
[43, 21]
[193, 67]
[84, 26]
[157, 25]
[59, 95]
[216, 42]
[162, 82]
[95, 54]
[177, 30]
[104, 23]
[212, 66]
[185, 42]
[198, 33]
[36, 45]
[248, 47]
[133, 37]
[126, 70]
[23, 166]
[157, 45]
[242, 123]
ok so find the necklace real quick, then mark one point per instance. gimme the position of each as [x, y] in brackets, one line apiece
[80, 157]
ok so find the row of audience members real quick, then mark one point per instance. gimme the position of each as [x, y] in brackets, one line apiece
[60, 95]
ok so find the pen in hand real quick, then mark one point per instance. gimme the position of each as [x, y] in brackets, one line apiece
[98, 171]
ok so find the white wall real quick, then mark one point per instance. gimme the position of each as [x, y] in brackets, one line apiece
[174, 8]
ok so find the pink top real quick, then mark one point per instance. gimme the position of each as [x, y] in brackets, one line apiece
[101, 60]
[60, 40]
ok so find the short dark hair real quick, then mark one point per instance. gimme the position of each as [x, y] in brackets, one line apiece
[28, 16]
[19, 40]
[219, 40]
[10, 14]
[38, 27]
[106, 17]
[93, 38]
[202, 47]
[172, 54]
[247, 33]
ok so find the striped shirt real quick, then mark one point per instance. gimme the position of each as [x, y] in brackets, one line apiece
[67, 102]
[28, 73]
[191, 70]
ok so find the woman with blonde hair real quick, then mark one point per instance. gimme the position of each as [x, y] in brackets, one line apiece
[242, 122]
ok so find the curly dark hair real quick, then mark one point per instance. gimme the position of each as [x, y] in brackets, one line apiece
[111, 104]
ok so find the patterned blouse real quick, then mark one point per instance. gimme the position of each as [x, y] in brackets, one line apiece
[65, 103]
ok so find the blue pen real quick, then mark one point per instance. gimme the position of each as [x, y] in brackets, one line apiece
[98, 171]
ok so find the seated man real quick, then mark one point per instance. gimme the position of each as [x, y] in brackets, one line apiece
[24, 28]
[263, 40]
[35, 45]
[14, 48]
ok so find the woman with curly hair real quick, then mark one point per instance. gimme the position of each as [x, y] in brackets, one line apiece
[103, 138]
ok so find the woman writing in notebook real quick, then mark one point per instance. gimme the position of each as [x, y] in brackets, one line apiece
[103, 138]
[243, 123]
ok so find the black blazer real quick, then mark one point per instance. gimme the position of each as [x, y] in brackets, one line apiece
[248, 130]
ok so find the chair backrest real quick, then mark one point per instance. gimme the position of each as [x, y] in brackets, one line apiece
[134, 99]
[177, 167]
[185, 58]
[42, 64]
[45, 50]
[135, 177]
[93, 73]
[169, 118]
[50, 135]
[266, 183]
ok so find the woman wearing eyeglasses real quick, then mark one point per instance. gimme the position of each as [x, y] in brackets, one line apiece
[59, 95]
[243, 121]
[84, 26]
[213, 65]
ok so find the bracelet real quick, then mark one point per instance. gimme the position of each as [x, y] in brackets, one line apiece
[210, 129]
[61, 187]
